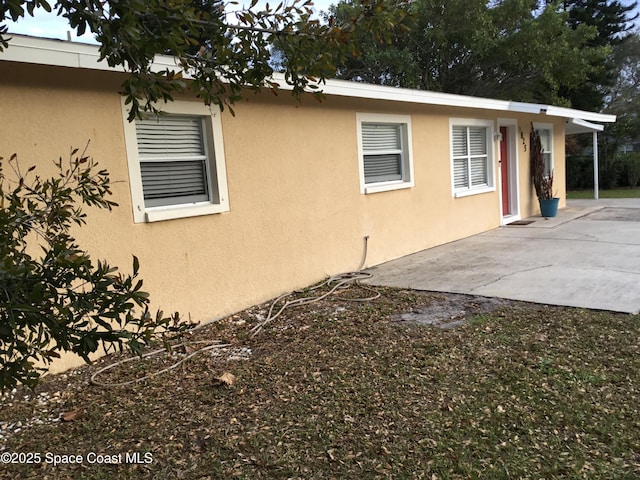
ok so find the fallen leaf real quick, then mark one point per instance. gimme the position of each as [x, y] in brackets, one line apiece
[71, 415]
[227, 379]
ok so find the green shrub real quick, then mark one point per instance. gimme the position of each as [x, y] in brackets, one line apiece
[632, 169]
[610, 170]
[579, 172]
[61, 300]
[615, 170]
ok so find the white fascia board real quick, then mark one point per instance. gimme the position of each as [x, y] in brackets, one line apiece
[522, 107]
[381, 92]
[579, 114]
[61, 53]
[43, 51]
[348, 88]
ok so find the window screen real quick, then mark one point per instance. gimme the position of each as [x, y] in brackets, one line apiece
[173, 160]
[382, 147]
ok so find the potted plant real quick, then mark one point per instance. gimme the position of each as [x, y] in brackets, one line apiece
[542, 181]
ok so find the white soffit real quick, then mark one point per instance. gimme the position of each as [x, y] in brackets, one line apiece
[43, 51]
[577, 125]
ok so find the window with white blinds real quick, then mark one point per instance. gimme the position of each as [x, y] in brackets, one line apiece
[176, 162]
[385, 152]
[173, 160]
[382, 146]
[546, 139]
[471, 152]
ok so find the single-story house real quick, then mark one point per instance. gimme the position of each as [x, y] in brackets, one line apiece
[229, 211]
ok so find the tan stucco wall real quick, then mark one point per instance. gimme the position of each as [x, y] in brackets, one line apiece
[296, 212]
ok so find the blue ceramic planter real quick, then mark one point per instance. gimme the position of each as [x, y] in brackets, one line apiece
[549, 208]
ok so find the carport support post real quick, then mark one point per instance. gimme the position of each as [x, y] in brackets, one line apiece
[595, 165]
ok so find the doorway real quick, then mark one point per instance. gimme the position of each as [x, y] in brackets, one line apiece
[509, 205]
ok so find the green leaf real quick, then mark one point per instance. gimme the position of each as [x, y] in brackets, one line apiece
[62, 298]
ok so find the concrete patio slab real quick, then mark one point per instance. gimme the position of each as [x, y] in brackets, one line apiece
[588, 256]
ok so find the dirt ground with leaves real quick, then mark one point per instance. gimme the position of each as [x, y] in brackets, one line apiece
[409, 385]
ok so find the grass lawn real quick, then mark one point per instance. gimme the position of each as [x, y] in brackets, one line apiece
[349, 390]
[616, 193]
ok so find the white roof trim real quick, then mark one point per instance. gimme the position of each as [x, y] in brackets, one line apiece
[571, 113]
[577, 125]
[42, 51]
[60, 53]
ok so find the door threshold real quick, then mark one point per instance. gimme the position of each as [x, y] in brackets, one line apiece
[508, 219]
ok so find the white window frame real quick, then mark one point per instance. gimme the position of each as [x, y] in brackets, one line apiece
[407, 180]
[490, 139]
[214, 146]
[548, 160]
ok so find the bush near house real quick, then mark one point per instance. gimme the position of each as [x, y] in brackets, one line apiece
[579, 172]
[632, 169]
[53, 297]
[619, 170]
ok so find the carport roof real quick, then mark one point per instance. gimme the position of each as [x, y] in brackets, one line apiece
[576, 125]
[43, 51]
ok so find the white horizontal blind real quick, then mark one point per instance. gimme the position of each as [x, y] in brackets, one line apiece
[470, 157]
[460, 173]
[382, 148]
[460, 154]
[478, 171]
[460, 142]
[477, 141]
[545, 140]
[478, 156]
[173, 160]
[381, 136]
[164, 180]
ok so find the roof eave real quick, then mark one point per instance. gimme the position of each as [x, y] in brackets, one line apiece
[42, 51]
[576, 125]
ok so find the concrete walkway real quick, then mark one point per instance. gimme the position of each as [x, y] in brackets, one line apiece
[588, 256]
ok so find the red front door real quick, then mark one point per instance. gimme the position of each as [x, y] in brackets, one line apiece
[504, 171]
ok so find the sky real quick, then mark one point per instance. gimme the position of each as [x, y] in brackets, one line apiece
[49, 25]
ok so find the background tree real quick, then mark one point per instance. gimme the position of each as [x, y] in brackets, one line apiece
[512, 49]
[623, 98]
[387, 62]
[605, 86]
[525, 54]
[446, 38]
[613, 21]
[620, 167]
